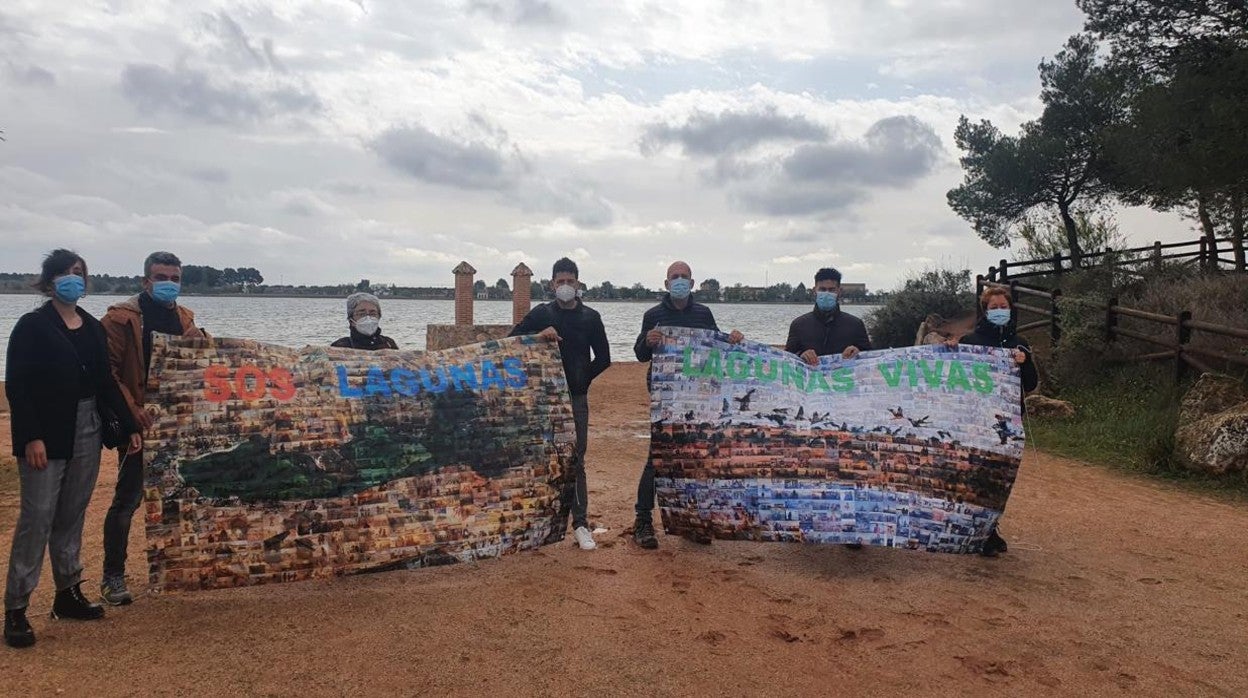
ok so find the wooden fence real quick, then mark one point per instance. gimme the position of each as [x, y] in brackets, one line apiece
[1203, 254]
[1177, 347]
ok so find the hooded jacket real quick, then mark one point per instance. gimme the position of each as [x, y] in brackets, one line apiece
[827, 333]
[123, 323]
[987, 334]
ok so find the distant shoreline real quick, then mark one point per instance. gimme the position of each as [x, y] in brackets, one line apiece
[452, 300]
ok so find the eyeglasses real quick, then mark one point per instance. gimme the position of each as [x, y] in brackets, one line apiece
[365, 313]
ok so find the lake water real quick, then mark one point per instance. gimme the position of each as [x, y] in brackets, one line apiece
[296, 322]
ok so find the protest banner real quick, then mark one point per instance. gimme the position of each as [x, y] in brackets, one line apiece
[269, 464]
[911, 448]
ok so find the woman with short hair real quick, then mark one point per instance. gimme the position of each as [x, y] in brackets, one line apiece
[364, 319]
[60, 392]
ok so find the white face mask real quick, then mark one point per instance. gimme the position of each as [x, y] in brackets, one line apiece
[367, 325]
[565, 293]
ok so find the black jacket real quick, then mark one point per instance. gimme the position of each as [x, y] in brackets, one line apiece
[987, 334]
[41, 381]
[582, 332]
[826, 333]
[356, 340]
[693, 315]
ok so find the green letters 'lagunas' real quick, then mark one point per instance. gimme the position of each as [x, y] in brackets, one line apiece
[934, 373]
[740, 366]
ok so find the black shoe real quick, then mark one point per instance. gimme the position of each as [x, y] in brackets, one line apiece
[994, 546]
[70, 603]
[17, 630]
[643, 534]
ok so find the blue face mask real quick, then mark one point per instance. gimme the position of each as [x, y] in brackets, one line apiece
[166, 291]
[680, 288]
[998, 316]
[825, 300]
[69, 288]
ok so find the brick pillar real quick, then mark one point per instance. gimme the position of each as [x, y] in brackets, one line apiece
[463, 293]
[521, 292]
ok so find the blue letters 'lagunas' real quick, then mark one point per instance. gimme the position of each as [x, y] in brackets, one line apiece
[434, 379]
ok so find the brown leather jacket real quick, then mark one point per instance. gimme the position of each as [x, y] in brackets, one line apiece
[123, 323]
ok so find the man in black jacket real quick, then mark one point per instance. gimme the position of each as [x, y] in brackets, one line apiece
[677, 309]
[579, 331]
[827, 330]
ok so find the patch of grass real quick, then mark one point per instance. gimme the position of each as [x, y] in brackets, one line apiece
[1126, 420]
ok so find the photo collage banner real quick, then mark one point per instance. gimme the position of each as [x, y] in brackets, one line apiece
[909, 448]
[269, 464]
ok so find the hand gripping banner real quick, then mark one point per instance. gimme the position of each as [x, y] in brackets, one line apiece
[908, 448]
[268, 464]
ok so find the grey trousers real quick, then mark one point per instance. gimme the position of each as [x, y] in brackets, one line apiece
[53, 506]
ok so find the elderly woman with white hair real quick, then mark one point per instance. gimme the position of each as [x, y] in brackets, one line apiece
[364, 318]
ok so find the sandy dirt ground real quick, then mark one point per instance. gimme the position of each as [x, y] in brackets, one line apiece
[1112, 586]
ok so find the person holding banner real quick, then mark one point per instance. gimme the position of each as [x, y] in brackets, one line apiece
[998, 328]
[130, 325]
[363, 320]
[827, 330]
[580, 333]
[61, 394]
[677, 309]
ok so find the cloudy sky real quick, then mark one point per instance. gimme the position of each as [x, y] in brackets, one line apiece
[332, 140]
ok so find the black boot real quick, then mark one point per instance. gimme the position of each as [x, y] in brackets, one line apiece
[17, 631]
[643, 534]
[994, 545]
[70, 603]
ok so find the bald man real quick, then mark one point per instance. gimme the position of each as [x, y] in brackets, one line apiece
[678, 309]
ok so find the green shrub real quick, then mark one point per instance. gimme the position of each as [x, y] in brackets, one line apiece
[945, 292]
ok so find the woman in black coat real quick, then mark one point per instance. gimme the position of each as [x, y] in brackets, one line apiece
[60, 392]
[998, 328]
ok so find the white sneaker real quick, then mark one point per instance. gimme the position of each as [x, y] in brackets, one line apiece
[584, 538]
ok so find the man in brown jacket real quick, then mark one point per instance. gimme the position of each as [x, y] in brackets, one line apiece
[130, 325]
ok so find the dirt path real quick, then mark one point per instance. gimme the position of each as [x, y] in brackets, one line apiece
[1112, 586]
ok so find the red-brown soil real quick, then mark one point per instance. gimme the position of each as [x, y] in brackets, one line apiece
[1112, 585]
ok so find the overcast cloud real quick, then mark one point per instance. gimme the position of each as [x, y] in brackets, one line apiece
[328, 141]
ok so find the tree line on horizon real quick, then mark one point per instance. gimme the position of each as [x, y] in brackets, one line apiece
[247, 280]
[1147, 106]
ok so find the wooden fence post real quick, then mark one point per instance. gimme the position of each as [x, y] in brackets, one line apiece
[992, 274]
[1057, 264]
[1183, 333]
[1003, 274]
[1111, 319]
[979, 291]
[1157, 255]
[1055, 317]
[1204, 260]
[1014, 297]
